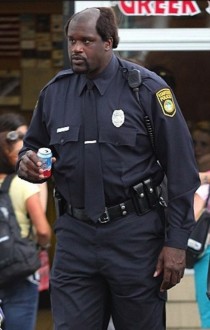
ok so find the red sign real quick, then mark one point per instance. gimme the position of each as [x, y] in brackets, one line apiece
[161, 8]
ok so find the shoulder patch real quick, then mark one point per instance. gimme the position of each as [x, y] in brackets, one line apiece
[166, 101]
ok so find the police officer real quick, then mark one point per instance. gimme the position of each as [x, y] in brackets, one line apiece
[122, 261]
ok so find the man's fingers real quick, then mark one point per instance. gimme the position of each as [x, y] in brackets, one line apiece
[29, 167]
[170, 279]
[171, 262]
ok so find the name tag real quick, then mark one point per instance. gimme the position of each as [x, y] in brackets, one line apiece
[62, 129]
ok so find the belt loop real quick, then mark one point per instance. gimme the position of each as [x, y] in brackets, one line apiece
[70, 209]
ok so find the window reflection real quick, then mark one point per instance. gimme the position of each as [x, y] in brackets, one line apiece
[188, 74]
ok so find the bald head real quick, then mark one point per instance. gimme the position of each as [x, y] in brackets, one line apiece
[92, 35]
[86, 14]
[105, 19]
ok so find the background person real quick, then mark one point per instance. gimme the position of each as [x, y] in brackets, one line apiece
[17, 122]
[201, 139]
[116, 259]
[20, 300]
[201, 266]
[205, 177]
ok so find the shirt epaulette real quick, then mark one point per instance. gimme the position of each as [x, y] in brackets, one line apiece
[61, 74]
[150, 79]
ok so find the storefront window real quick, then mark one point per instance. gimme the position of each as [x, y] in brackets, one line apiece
[163, 14]
[187, 72]
[156, 14]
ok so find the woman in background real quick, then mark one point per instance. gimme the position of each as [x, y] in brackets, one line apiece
[17, 122]
[201, 266]
[20, 300]
[201, 139]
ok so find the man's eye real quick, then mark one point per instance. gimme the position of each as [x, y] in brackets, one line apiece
[86, 41]
[71, 41]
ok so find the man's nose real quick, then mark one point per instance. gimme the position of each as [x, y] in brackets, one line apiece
[77, 47]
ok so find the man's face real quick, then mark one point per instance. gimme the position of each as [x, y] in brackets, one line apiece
[13, 155]
[201, 143]
[88, 53]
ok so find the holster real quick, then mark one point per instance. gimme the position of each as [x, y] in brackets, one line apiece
[60, 203]
[144, 196]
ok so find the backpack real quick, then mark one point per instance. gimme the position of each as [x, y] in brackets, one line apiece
[18, 256]
[197, 241]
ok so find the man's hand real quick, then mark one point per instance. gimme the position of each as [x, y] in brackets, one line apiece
[30, 167]
[171, 262]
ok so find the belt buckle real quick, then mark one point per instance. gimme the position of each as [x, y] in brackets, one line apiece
[104, 218]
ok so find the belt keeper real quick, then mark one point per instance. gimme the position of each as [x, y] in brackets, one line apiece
[140, 200]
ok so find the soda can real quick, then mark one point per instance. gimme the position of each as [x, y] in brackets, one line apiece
[1, 316]
[45, 156]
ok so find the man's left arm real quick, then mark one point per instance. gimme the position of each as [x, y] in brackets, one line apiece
[175, 152]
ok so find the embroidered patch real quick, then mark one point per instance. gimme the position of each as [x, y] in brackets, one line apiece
[118, 118]
[166, 101]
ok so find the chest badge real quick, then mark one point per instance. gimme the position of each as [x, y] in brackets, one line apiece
[118, 118]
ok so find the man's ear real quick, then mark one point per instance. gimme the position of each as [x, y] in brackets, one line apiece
[108, 44]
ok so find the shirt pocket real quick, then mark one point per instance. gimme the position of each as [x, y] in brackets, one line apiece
[66, 145]
[61, 138]
[115, 145]
[122, 136]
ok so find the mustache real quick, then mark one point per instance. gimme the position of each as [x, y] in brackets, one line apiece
[77, 57]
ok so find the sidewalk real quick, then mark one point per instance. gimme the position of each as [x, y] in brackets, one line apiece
[44, 320]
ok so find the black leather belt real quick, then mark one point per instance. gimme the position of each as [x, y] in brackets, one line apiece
[144, 197]
[111, 213]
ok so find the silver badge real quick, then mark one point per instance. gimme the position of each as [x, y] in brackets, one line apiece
[118, 118]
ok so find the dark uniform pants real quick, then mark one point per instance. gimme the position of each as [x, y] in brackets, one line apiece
[106, 269]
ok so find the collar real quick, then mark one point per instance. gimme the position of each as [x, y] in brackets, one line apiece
[103, 80]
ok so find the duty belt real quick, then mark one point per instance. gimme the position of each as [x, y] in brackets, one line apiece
[110, 213]
[140, 204]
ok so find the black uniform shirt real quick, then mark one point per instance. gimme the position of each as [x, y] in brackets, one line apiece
[126, 151]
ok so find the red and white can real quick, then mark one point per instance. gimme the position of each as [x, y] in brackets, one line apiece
[45, 156]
